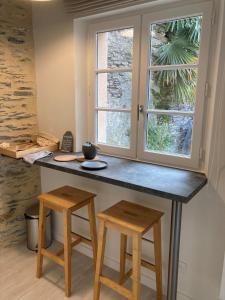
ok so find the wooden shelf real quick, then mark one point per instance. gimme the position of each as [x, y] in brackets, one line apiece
[12, 152]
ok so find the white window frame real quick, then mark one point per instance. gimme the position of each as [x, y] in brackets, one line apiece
[108, 26]
[174, 159]
[140, 71]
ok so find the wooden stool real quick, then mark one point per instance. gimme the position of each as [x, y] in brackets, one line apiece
[131, 220]
[66, 200]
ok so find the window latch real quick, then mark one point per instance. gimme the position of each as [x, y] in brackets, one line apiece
[140, 109]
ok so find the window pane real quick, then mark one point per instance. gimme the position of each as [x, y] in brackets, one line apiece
[115, 48]
[176, 41]
[114, 128]
[172, 89]
[169, 134]
[114, 90]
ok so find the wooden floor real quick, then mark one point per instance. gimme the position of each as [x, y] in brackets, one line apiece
[18, 282]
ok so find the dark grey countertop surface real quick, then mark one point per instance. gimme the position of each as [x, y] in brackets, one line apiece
[166, 182]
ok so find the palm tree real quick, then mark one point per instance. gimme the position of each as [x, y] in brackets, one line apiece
[174, 43]
[177, 43]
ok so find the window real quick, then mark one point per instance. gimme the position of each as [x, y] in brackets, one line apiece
[148, 85]
[114, 85]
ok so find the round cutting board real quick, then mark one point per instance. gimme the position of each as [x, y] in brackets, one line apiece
[64, 158]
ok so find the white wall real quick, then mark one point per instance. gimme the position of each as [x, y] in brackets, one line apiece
[217, 157]
[54, 62]
[203, 238]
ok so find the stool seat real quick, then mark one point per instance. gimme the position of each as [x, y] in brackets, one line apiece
[131, 216]
[66, 197]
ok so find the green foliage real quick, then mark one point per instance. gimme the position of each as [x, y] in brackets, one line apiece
[178, 43]
[192, 27]
[173, 43]
[159, 136]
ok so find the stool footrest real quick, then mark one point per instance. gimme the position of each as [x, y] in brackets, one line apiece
[115, 286]
[82, 238]
[53, 257]
[76, 242]
[73, 244]
[148, 241]
[144, 263]
[80, 217]
[126, 276]
[59, 252]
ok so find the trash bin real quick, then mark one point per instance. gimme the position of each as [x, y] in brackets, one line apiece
[32, 219]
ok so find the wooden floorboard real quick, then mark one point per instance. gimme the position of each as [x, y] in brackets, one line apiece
[18, 281]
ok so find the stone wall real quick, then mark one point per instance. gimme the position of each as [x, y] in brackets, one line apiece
[19, 183]
[119, 86]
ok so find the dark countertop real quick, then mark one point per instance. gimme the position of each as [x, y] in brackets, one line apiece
[166, 182]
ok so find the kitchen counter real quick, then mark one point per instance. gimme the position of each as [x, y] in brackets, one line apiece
[165, 182]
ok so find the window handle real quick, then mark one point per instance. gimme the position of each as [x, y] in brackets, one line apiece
[140, 109]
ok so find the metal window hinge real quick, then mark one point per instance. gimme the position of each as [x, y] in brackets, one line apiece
[207, 88]
[202, 154]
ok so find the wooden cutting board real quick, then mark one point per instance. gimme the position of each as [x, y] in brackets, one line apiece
[82, 159]
[66, 157]
[72, 157]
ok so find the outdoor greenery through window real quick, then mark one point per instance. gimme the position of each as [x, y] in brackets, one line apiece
[173, 73]
[148, 85]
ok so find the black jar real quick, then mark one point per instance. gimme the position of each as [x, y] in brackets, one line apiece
[89, 150]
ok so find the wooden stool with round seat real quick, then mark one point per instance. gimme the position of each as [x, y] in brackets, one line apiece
[66, 200]
[130, 220]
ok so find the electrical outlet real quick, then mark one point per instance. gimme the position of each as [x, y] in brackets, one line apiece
[182, 267]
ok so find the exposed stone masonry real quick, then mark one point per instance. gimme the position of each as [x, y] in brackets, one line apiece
[19, 183]
[119, 86]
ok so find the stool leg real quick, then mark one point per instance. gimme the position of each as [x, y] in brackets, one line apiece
[123, 249]
[93, 231]
[158, 258]
[41, 238]
[67, 251]
[136, 266]
[100, 258]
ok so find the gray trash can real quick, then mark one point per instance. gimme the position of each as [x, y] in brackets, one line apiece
[32, 219]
